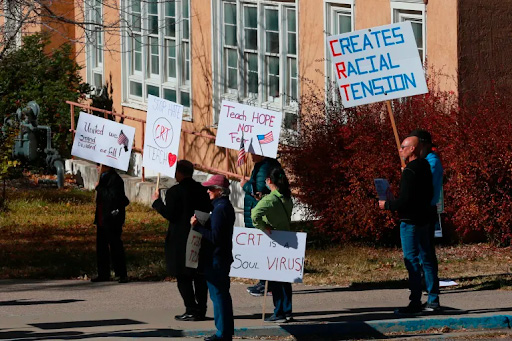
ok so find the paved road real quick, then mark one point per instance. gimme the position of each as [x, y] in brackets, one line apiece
[76, 309]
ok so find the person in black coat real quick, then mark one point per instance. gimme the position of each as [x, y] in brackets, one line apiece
[181, 201]
[109, 217]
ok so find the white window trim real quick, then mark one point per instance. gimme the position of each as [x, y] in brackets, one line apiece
[328, 67]
[217, 39]
[89, 50]
[160, 81]
[418, 6]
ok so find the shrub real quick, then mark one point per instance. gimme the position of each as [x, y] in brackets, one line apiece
[50, 79]
[339, 152]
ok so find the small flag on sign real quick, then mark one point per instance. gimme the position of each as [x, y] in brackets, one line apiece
[123, 140]
[241, 154]
[267, 138]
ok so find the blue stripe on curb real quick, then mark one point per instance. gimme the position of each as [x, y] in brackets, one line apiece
[369, 328]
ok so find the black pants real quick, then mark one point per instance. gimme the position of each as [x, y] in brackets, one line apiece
[194, 291]
[110, 247]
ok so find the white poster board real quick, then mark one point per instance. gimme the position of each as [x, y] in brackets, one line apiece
[275, 257]
[377, 64]
[103, 141]
[260, 128]
[192, 249]
[162, 137]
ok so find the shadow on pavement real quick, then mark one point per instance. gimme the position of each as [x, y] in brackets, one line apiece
[85, 324]
[27, 302]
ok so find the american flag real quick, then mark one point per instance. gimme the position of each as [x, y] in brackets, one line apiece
[267, 138]
[241, 154]
[123, 140]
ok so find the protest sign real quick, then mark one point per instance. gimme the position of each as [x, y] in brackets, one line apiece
[103, 141]
[162, 138]
[275, 257]
[377, 64]
[383, 189]
[259, 127]
[192, 249]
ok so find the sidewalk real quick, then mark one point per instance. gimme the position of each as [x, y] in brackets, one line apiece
[74, 309]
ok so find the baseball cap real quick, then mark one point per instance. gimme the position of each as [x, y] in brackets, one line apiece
[217, 180]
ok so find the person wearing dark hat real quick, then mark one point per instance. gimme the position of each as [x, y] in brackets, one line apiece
[181, 200]
[217, 259]
[425, 140]
[109, 217]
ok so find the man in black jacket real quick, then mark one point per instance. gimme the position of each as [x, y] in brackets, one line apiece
[109, 219]
[413, 206]
[181, 201]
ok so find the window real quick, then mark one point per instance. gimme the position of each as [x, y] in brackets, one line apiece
[257, 63]
[157, 58]
[94, 47]
[339, 19]
[416, 14]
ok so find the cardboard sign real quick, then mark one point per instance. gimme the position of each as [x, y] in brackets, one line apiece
[377, 64]
[192, 249]
[275, 257]
[162, 137]
[260, 128]
[103, 141]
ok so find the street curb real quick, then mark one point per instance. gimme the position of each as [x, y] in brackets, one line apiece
[368, 328]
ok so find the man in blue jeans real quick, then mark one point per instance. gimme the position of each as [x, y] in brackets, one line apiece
[413, 206]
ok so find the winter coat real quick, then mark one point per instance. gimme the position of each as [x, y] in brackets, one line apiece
[111, 201]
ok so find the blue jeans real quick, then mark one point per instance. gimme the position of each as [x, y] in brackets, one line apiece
[416, 244]
[282, 297]
[218, 282]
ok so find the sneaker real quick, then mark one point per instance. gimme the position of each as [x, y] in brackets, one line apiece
[289, 318]
[276, 319]
[257, 292]
[255, 287]
[411, 309]
[431, 307]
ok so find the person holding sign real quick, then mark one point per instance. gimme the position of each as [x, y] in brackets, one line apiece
[274, 212]
[413, 206]
[109, 219]
[181, 201]
[255, 189]
[218, 234]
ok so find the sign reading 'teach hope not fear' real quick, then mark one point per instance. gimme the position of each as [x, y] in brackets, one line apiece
[377, 64]
[103, 141]
[162, 137]
[259, 127]
[275, 257]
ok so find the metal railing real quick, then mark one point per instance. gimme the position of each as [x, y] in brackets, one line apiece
[90, 110]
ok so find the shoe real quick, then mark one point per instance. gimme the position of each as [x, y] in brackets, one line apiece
[411, 309]
[123, 279]
[214, 337]
[289, 318]
[258, 286]
[431, 307]
[259, 292]
[276, 319]
[185, 317]
[100, 279]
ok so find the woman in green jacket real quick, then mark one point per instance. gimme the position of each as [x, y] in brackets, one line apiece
[273, 212]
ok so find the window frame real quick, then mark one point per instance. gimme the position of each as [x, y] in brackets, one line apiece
[401, 8]
[331, 8]
[241, 94]
[178, 87]
[93, 49]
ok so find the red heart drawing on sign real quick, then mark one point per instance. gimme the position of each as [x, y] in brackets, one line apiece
[172, 159]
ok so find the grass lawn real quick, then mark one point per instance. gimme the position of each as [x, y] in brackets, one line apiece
[48, 233]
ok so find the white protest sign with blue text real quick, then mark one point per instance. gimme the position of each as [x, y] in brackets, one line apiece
[103, 141]
[377, 64]
[260, 128]
[162, 137]
[275, 257]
